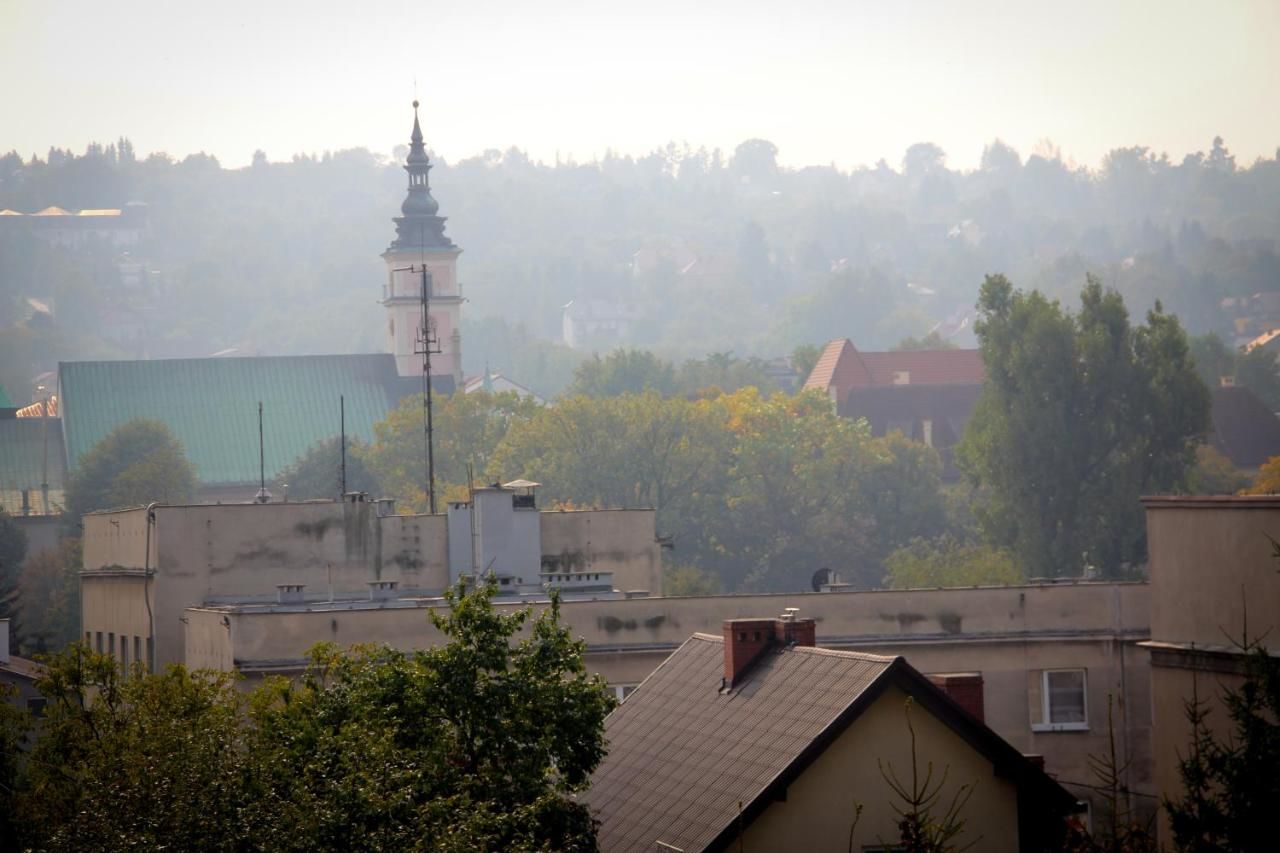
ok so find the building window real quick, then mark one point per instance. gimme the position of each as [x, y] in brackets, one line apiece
[137, 648]
[97, 636]
[1064, 701]
[111, 643]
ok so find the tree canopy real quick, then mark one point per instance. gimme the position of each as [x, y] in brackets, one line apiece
[477, 744]
[711, 250]
[13, 550]
[317, 473]
[1081, 414]
[136, 463]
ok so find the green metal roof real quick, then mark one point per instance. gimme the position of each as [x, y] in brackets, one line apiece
[211, 405]
[5, 402]
[22, 446]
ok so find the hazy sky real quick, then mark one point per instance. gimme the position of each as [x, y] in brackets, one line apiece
[827, 80]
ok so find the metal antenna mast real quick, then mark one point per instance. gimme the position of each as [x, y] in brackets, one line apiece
[426, 344]
[342, 427]
[263, 495]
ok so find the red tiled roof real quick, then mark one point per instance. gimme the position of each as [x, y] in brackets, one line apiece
[824, 371]
[842, 366]
[926, 367]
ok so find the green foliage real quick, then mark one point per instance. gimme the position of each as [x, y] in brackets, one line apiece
[1259, 371]
[804, 359]
[779, 254]
[1081, 414]
[1213, 474]
[138, 463]
[137, 762]
[15, 726]
[943, 562]
[623, 371]
[1230, 786]
[688, 580]
[756, 491]
[49, 596]
[478, 744]
[931, 341]
[467, 431]
[473, 745]
[13, 550]
[318, 472]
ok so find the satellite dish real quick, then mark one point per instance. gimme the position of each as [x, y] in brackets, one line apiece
[820, 577]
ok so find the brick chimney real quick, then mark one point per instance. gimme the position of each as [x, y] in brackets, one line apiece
[746, 639]
[965, 689]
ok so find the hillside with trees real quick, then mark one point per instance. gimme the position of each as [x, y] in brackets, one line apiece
[712, 251]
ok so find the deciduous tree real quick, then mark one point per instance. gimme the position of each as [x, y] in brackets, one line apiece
[136, 463]
[1080, 415]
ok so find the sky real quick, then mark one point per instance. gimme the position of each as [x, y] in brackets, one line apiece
[828, 81]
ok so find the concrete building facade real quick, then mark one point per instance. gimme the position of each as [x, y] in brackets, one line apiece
[1059, 668]
[145, 567]
[1215, 583]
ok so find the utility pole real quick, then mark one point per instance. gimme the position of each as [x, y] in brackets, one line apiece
[44, 465]
[425, 344]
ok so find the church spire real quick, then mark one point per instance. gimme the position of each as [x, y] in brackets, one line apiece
[420, 227]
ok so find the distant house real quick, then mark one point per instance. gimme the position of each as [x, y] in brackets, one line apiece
[1244, 429]
[927, 395]
[211, 407]
[590, 322]
[493, 382]
[759, 740]
[19, 674]
[74, 228]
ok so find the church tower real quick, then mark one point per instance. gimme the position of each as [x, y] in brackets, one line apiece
[420, 240]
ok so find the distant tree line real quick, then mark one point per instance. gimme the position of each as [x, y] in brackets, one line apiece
[711, 251]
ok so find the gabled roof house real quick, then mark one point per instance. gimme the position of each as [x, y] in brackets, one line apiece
[758, 738]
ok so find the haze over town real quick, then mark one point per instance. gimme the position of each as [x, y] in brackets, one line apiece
[847, 83]
[671, 426]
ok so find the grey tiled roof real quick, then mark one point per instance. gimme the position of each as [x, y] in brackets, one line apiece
[683, 755]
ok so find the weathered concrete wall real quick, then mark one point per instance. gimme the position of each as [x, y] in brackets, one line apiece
[242, 552]
[622, 541]
[207, 638]
[1212, 569]
[818, 812]
[1008, 634]
[1217, 553]
[116, 538]
[114, 606]
[507, 539]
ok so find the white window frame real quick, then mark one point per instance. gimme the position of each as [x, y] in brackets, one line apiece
[1045, 725]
